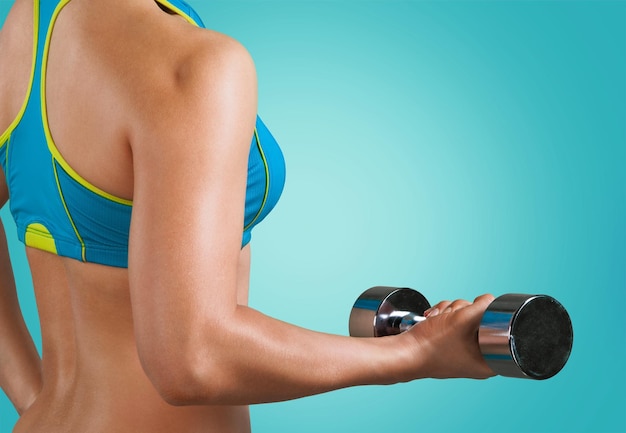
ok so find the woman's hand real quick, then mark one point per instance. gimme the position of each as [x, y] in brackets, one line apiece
[446, 343]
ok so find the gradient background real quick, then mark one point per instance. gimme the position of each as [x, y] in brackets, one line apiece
[457, 147]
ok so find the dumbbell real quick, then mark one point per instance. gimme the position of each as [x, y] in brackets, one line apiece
[524, 336]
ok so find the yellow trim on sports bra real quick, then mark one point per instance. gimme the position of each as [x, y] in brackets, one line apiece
[177, 10]
[4, 137]
[267, 181]
[38, 236]
[44, 114]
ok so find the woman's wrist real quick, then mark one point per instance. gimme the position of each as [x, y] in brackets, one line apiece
[399, 359]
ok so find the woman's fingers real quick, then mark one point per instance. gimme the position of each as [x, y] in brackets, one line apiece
[484, 299]
[436, 309]
[444, 307]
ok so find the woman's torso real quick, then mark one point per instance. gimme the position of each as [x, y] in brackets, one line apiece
[92, 377]
[93, 381]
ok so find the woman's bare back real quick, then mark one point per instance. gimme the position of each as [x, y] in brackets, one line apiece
[92, 377]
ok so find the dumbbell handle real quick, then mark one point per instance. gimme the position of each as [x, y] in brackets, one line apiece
[405, 320]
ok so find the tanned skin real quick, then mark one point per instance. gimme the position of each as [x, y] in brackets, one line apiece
[148, 107]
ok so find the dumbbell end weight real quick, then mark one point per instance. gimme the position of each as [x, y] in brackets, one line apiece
[380, 311]
[526, 336]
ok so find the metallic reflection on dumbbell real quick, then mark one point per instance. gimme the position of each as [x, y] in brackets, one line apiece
[524, 336]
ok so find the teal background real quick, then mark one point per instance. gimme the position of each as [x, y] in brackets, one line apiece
[457, 147]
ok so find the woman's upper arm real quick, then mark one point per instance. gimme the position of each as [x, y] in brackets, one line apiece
[190, 156]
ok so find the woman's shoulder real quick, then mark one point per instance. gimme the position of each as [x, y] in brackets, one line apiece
[197, 53]
[182, 65]
[211, 52]
[194, 74]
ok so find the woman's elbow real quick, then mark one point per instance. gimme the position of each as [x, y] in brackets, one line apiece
[182, 375]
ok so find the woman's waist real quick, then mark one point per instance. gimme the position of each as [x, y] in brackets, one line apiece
[121, 404]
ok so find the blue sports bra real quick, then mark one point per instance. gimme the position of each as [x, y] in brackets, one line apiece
[58, 211]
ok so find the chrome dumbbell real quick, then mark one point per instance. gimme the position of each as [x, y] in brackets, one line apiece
[525, 336]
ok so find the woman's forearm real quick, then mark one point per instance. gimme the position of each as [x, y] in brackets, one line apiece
[257, 359]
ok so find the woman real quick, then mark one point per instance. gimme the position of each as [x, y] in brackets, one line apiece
[128, 105]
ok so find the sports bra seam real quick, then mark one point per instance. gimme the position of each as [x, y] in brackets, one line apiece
[24, 228]
[6, 134]
[67, 211]
[267, 182]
